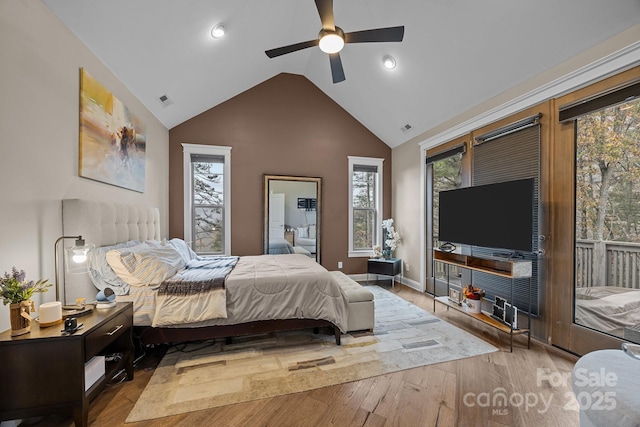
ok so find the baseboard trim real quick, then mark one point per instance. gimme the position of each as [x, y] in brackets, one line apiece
[411, 283]
[401, 279]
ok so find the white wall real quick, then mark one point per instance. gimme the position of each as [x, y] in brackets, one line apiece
[39, 121]
[293, 216]
[405, 180]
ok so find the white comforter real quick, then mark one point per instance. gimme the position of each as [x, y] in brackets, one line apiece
[266, 287]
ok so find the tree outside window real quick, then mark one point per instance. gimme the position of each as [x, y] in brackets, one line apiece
[364, 209]
[208, 206]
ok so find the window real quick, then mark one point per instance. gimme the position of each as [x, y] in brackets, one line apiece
[365, 205]
[445, 172]
[207, 204]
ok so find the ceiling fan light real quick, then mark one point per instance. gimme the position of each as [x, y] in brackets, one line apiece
[389, 62]
[331, 43]
[217, 31]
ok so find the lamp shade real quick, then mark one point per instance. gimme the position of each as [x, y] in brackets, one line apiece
[73, 258]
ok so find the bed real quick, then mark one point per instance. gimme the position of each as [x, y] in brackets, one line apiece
[282, 246]
[262, 293]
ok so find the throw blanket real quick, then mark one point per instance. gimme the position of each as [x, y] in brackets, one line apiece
[196, 293]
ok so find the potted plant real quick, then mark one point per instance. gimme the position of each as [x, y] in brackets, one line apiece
[17, 292]
[473, 298]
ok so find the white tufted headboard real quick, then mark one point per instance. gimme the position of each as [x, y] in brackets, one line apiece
[103, 224]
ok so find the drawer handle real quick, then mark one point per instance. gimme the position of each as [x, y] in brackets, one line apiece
[115, 330]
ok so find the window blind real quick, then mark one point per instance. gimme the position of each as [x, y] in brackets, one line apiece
[365, 168]
[206, 158]
[462, 148]
[605, 100]
[511, 154]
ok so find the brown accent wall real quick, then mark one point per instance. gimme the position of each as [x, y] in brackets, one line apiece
[283, 126]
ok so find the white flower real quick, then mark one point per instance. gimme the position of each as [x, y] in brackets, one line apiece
[393, 237]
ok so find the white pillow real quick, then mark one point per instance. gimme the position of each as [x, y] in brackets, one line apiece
[303, 232]
[101, 274]
[183, 249]
[147, 264]
[312, 231]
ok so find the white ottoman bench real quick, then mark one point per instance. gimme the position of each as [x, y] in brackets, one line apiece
[606, 384]
[360, 308]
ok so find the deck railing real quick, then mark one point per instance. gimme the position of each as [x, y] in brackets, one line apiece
[607, 263]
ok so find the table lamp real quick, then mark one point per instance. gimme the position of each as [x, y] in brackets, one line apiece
[75, 263]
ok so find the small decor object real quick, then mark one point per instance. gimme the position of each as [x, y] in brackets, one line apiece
[112, 139]
[377, 252]
[505, 312]
[392, 238]
[50, 313]
[473, 299]
[106, 298]
[455, 296]
[17, 292]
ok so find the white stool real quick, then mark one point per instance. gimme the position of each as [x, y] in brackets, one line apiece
[606, 384]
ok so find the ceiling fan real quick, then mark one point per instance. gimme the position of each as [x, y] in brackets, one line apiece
[332, 39]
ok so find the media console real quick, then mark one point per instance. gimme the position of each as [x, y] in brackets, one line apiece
[509, 268]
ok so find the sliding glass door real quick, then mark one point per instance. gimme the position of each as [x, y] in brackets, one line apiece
[607, 225]
[594, 247]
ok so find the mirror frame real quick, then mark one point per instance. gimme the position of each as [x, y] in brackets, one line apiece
[265, 215]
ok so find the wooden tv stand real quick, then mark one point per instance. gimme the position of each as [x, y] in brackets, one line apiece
[509, 268]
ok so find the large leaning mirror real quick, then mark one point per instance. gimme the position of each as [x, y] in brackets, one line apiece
[292, 215]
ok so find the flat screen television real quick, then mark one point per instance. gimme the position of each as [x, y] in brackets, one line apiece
[496, 216]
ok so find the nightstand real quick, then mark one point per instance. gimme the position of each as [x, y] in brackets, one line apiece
[384, 267]
[288, 236]
[43, 372]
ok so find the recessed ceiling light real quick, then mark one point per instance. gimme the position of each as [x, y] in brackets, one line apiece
[389, 62]
[217, 31]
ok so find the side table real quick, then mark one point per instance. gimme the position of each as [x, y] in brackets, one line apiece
[43, 372]
[385, 267]
[289, 236]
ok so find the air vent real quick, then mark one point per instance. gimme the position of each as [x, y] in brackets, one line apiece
[406, 128]
[164, 100]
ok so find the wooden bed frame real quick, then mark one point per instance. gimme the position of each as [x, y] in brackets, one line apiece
[149, 335]
[107, 223]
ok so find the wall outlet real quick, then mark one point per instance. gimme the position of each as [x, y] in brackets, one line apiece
[339, 264]
[406, 267]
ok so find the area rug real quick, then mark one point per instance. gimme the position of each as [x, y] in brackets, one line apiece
[207, 376]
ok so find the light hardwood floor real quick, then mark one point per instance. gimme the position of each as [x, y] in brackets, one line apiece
[465, 392]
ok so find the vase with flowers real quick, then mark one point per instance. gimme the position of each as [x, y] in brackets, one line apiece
[392, 238]
[473, 298]
[17, 292]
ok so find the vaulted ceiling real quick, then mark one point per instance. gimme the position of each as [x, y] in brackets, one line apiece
[455, 54]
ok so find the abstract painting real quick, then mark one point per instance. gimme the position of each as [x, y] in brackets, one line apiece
[112, 140]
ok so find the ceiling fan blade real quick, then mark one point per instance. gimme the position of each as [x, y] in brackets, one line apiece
[391, 34]
[325, 10]
[272, 53]
[337, 72]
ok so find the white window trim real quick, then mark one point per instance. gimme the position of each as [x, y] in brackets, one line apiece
[212, 150]
[370, 161]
